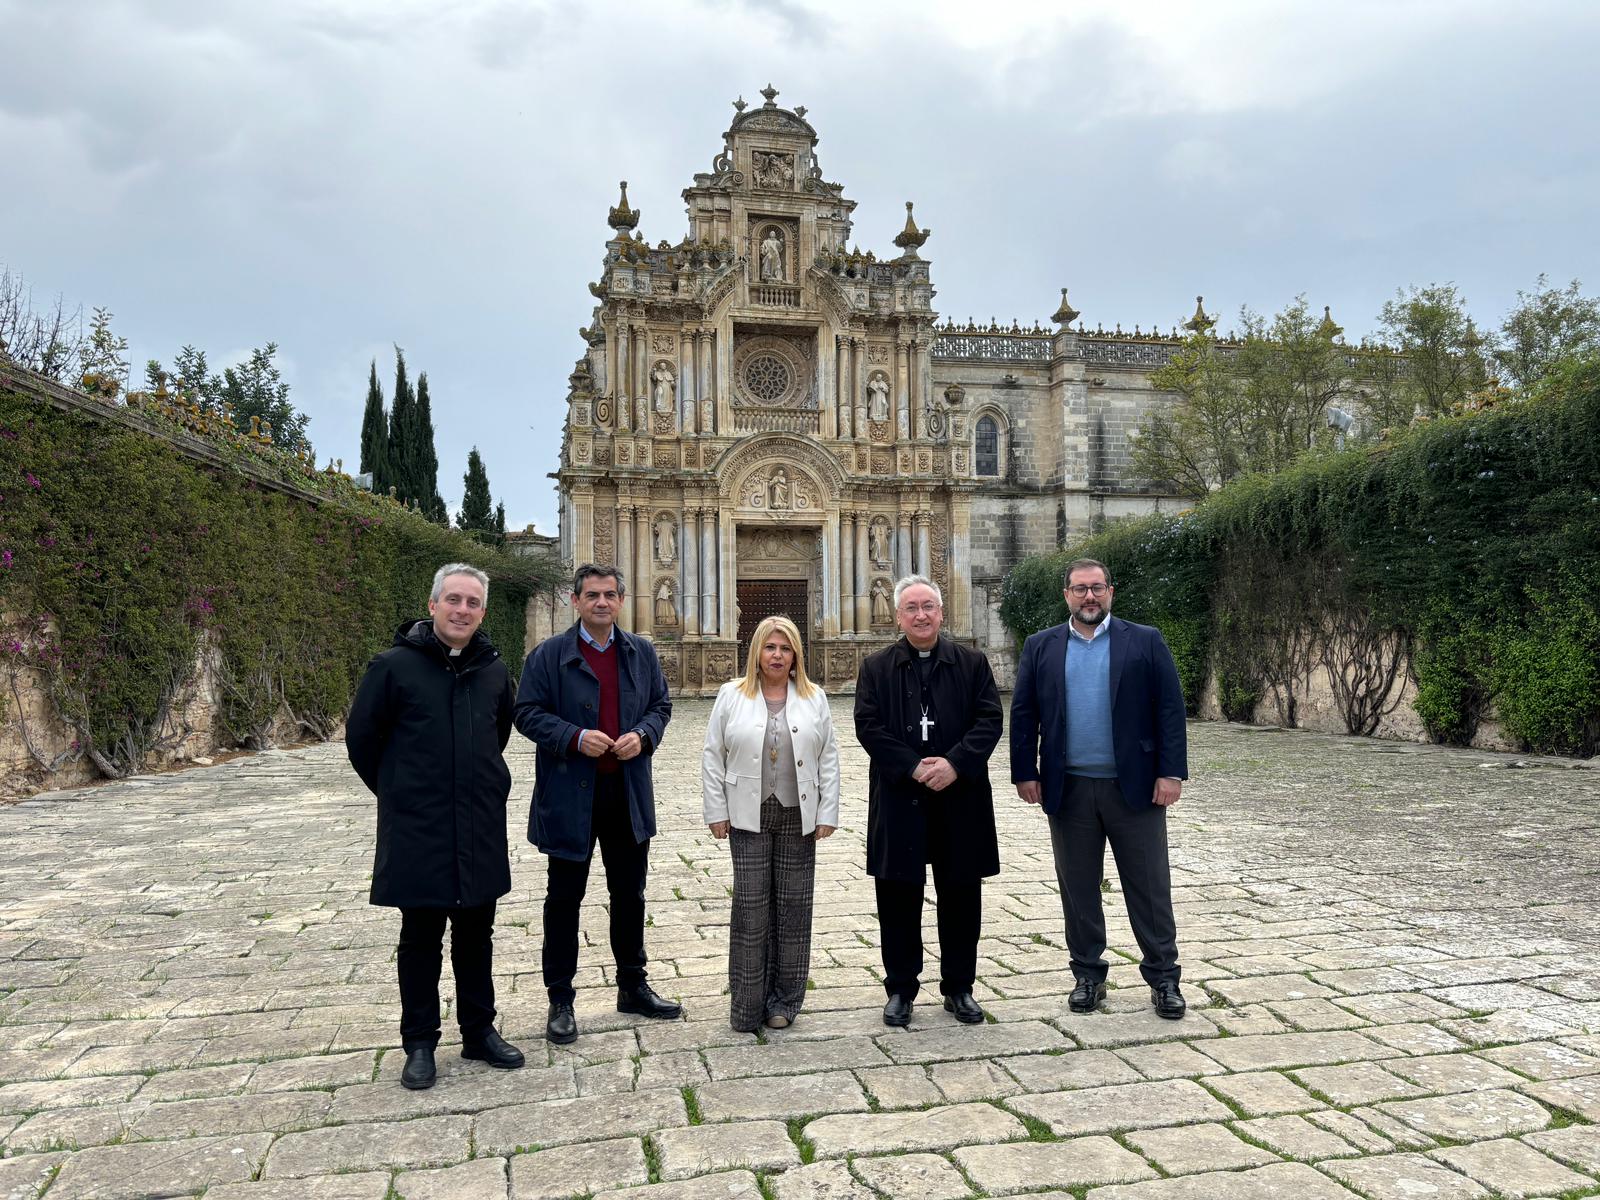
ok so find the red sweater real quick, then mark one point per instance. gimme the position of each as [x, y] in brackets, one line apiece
[604, 665]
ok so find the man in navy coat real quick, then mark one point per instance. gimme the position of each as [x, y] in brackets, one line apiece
[595, 702]
[1098, 739]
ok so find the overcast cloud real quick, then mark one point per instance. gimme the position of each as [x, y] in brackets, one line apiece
[340, 176]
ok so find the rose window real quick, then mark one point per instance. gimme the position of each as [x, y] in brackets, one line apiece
[767, 377]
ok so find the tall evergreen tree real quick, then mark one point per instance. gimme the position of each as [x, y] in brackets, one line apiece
[402, 432]
[425, 460]
[375, 435]
[476, 516]
[500, 523]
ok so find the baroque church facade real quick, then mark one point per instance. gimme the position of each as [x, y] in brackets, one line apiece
[766, 419]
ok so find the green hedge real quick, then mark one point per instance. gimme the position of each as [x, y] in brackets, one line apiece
[1467, 552]
[117, 550]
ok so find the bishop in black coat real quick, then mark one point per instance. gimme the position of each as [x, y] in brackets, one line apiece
[928, 715]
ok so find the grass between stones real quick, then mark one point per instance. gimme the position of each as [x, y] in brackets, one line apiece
[1561, 1118]
[691, 1105]
[652, 1159]
[808, 1150]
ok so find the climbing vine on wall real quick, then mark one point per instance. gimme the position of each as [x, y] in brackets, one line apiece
[121, 557]
[1466, 553]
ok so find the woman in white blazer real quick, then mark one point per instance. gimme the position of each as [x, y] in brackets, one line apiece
[770, 777]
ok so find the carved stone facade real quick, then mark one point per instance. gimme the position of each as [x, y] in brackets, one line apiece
[763, 411]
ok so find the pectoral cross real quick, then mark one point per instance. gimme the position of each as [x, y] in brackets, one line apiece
[926, 723]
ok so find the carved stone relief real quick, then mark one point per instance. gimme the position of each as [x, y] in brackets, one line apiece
[664, 343]
[604, 546]
[939, 548]
[602, 454]
[880, 431]
[670, 666]
[878, 355]
[880, 462]
[666, 539]
[773, 372]
[772, 169]
[780, 488]
[624, 452]
[719, 665]
[841, 665]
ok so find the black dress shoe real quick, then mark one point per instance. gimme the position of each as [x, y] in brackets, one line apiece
[417, 1074]
[1168, 1001]
[561, 1027]
[494, 1050]
[965, 1008]
[1086, 997]
[643, 1001]
[897, 1012]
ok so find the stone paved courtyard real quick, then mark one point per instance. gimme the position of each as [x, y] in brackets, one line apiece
[1390, 954]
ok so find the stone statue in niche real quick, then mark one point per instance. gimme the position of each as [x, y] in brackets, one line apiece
[778, 489]
[666, 610]
[666, 540]
[878, 405]
[772, 256]
[665, 389]
[878, 536]
[882, 606]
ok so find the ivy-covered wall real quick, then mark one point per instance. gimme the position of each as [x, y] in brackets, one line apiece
[123, 555]
[1465, 552]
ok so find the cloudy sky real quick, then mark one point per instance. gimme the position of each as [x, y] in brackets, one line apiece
[340, 176]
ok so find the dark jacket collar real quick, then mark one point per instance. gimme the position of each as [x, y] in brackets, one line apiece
[417, 634]
[908, 654]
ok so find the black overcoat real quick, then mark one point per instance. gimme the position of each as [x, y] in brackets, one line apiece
[427, 738]
[558, 696]
[900, 811]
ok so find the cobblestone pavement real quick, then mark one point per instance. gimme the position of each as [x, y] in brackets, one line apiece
[1390, 955]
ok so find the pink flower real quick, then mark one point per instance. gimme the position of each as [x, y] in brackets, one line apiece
[33, 480]
[5, 558]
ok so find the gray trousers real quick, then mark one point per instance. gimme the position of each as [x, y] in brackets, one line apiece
[1093, 812]
[769, 936]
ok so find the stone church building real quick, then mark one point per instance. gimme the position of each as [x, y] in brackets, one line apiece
[767, 419]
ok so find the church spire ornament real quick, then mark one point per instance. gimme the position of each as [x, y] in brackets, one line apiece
[622, 218]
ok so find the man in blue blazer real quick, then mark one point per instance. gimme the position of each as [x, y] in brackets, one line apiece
[1098, 740]
[594, 701]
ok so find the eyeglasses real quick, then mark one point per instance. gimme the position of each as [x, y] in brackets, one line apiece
[912, 610]
[1080, 590]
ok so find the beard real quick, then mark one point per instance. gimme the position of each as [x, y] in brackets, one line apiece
[1094, 618]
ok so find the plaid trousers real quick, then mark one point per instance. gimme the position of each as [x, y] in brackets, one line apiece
[769, 938]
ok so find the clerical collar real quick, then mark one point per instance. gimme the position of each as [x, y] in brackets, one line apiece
[924, 653]
[455, 650]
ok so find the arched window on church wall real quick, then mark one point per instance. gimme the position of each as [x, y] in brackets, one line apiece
[986, 447]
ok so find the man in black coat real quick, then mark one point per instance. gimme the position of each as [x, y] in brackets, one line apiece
[594, 701]
[1098, 739]
[426, 733]
[928, 715]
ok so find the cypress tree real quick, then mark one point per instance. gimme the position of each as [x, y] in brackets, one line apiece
[476, 516]
[402, 432]
[500, 523]
[375, 435]
[426, 461]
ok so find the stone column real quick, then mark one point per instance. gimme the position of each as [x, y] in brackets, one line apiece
[847, 573]
[708, 572]
[582, 523]
[708, 384]
[902, 392]
[624, 561]
[689, 572]
[922, 363]
[830, 575]
[902, 546]
[914, 396]
[842, 386]
[622, 393]
[727, 581]
[644, 556]
[858, 383]
[863, 592]
[960, 572]
[924, 551]
[641, 380]
[686, 392]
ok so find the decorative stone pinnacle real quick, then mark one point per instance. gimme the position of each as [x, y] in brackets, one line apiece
[622, 217]
[1328, 329]
[771, 94]
[911, 238]
[1066, 314]
[1199, 323]
[739, 105]
[800, 111]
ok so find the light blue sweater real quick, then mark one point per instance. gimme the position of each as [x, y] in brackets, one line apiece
[1088, 715]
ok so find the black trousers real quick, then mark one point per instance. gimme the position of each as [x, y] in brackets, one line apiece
[420, 957]
[1092, 813]
[627, 864]
[960, 911]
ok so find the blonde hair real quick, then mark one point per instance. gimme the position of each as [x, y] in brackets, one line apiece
[803, 687]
